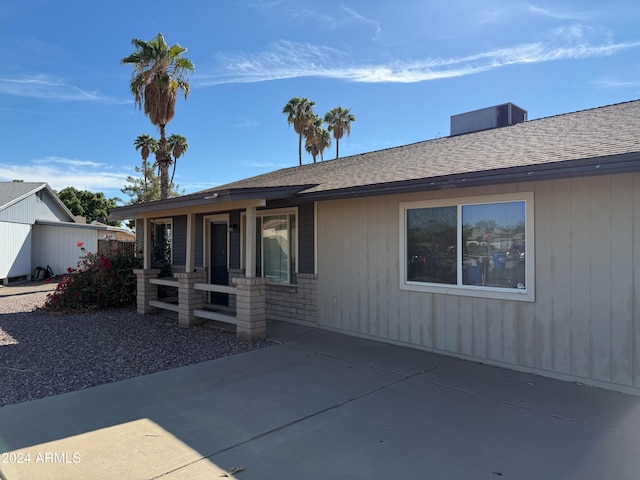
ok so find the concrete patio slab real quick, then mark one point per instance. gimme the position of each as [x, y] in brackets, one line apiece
[322, 405]
[580, 403]
[416, 430]
[392, 358]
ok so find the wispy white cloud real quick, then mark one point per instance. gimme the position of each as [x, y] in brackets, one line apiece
[617, 84]
[287, 59]
[492, 16]
[284, 59]
[62, 172]
[298, 11]
[266, 165]
[245, 123]
[50, 88]
[361, 18]
[560, 14]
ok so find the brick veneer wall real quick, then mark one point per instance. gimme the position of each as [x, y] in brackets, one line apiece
[293, 303]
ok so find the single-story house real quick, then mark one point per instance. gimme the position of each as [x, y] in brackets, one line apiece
[38, 230]
[511, 242]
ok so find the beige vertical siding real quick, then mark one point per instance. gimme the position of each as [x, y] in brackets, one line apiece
[584, 323]
[632, 305]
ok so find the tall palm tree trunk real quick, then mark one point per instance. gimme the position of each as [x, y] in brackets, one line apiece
[337, 147]
[300, 148]
[164, 160]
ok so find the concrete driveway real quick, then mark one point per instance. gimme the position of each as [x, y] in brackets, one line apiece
[321, 405]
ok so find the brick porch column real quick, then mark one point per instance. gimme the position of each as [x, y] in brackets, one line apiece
[145, 291]
[251, 308]
[189, 298]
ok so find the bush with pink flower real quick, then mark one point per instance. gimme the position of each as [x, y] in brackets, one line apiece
[100, 282]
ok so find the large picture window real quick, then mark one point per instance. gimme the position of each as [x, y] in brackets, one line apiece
[475, 247]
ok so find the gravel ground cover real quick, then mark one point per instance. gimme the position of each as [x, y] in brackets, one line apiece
[43, 354]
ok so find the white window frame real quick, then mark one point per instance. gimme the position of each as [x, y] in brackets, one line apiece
[163, 221]
[293, 250]
[526, 295]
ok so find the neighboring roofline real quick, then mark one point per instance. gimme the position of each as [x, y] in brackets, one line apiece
[111, 228]
[86, 226]
[23, 196]
[41, 186]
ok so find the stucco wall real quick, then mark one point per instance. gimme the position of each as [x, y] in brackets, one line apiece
[583, 325]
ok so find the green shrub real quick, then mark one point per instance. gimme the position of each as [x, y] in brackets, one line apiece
[100, 282]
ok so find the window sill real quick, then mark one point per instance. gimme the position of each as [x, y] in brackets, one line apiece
[283, 287]
[515, 294]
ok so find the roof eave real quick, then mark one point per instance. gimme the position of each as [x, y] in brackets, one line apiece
[85, 226]
[208, 197]
[624, 163]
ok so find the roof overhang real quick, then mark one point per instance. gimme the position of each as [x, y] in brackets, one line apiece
[210, 201]
[85, 226]
[206, 201]
[625, 163]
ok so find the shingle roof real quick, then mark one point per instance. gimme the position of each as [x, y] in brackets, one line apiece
[11, 192]
[596, 141]
[602, 132]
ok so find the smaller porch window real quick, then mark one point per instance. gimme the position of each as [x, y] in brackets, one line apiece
[276, 246]
[162, 245]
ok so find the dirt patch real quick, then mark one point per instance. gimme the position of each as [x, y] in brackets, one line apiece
[25, 288]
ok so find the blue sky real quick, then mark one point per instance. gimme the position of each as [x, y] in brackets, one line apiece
[403, 68]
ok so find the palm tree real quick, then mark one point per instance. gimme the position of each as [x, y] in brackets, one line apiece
[313, 135]
[339, 121]
[177, 145]
[299, 111]
[324, 142]
[317, 138]
[159, 71]
[147, 145]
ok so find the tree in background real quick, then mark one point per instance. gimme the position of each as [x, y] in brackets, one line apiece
[147, 145]
[145, 188]
[92, 206]
[324, 142]
[317, 138]
[299, 112]
[177, 145]
[339, 121]
[159, 72]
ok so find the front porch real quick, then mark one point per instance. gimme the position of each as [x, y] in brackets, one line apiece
[249, 315]
[193, 283]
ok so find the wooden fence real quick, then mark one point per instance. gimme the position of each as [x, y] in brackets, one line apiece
[119, 246]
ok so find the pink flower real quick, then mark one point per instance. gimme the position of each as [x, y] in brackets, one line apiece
[80, 244]
[106, 263]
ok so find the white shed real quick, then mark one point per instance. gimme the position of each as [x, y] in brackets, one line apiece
[37, 229]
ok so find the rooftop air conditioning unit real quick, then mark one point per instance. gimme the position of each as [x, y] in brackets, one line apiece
[486, 118]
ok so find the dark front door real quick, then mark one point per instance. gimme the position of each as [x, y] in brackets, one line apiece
[218, 267]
